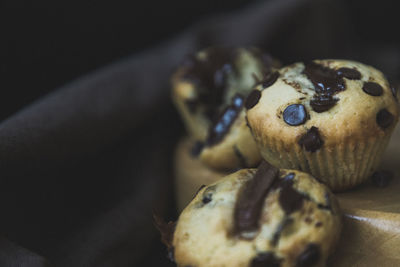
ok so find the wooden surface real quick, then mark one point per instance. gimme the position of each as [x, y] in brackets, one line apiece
[371, 231]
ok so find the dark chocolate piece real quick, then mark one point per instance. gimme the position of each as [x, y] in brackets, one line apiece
[210, 74]
[311, 141]
[326, 81]
[197, 148]
[321, 103]
[373, 89]
[266, 259]
[250, 200]
[382, 178]
[384, 118]
[295, 114]
[222, 125]
[252, 99]
[349, 73]
[269, 79]
[289, 199]
[309, 256]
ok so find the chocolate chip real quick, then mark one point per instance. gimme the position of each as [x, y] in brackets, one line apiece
[382, 178]
[252, 99]
[269, 79]
[251, 198]
[321, 103]
[318, 224]
[311, 140]
[206, 199]
[309, 256]
[197, 148]
[384, 118]
[326, 81]
[373, 89]
[295, 114]
[225, 120]
[266, 259]
[289, 199]
[348, 73]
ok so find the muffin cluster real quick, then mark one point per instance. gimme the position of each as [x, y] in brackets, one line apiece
[209, 90]
[316, 127]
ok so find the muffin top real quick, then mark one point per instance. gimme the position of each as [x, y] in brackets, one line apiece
[263, 217]
[209, 90]
[323, 102]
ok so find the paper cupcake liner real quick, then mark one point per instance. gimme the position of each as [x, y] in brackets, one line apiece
[340, 167]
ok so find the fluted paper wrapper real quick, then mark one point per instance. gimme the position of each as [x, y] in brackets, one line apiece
[340, 167]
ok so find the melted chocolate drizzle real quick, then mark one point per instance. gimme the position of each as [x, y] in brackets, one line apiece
[227, 117]
[251, 198]
[210, 75]
[327, 82]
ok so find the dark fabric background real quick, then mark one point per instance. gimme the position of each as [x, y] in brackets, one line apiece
[87, 128]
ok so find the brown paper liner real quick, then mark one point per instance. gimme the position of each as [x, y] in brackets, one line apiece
[341, 167]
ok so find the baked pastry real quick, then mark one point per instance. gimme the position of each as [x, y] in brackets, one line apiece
[330, 118]
[263, 217]
[209, 90]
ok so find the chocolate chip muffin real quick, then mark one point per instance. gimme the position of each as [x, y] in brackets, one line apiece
[330, 118]
[209, 91]
[258, 217]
